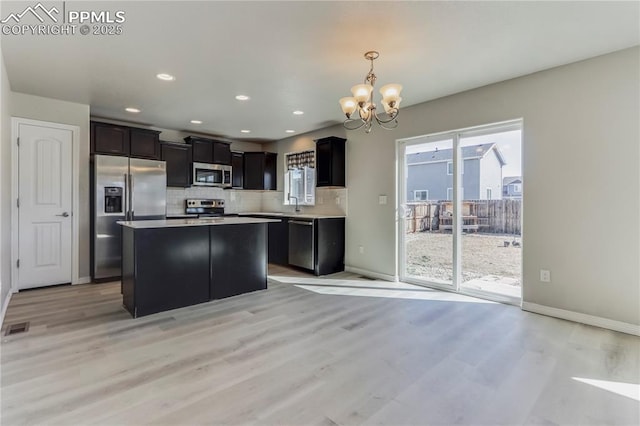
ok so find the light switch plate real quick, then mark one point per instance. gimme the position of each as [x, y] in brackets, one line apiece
[382, 199]
[545, 276]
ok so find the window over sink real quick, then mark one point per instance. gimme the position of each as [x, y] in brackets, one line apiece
[300, 178]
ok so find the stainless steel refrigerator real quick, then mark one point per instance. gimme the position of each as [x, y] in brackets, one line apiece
[123, 189]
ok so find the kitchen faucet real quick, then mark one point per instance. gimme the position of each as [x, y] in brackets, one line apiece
[295, 198]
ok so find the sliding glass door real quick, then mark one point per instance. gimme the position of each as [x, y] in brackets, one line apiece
[460, 194]
[428, 254]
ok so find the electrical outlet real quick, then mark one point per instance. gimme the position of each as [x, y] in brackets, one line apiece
[233, 196]
[545, 276]
[337, 200]
[320, 200]
[361, 249]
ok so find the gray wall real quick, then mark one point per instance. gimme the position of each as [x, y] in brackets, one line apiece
[570, 113]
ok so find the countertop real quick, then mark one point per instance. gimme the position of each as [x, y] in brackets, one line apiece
[292, 214]
[173, 223]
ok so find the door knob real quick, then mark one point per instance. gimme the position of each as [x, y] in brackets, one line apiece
[65, 214]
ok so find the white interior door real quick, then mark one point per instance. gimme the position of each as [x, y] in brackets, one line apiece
[45, 205]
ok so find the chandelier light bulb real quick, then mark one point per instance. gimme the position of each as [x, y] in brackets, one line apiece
[348, 105]
[362, 92]
[390, 92]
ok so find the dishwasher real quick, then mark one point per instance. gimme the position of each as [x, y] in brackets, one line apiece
[301, 243]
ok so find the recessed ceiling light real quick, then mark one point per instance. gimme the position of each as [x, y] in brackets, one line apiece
[165, 77]
[245, 131]
[133, 110]
[298, 112]
[242, 98]
[290, 131]
[196, 122]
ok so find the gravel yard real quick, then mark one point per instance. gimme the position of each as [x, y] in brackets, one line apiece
[484, 256]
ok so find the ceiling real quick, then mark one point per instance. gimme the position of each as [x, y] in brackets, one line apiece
[300, 56]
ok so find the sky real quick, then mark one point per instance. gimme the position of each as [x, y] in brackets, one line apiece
[509, 144]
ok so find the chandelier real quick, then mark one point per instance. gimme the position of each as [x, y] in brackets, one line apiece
[362, 102]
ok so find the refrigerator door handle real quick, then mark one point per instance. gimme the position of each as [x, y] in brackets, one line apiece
[131, 207]
[126, 196]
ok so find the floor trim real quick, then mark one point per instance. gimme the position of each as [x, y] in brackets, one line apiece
[371, 274]
[83, 280]
[5, 305]
[609, 324]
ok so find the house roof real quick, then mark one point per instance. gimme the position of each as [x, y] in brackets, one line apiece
[468, 153]
[511, 179]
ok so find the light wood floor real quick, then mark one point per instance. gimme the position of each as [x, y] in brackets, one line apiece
[347, 351]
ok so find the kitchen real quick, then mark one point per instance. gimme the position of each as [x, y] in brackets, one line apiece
[131, 171]
[262, 82]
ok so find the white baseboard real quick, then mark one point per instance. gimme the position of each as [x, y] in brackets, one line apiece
[5, 305]
[371, 274]
[83, 280]
[609, 324]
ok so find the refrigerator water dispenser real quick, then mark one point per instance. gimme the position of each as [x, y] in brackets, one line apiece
[112, 199]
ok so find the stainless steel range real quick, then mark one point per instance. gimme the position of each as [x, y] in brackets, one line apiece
[204, 207]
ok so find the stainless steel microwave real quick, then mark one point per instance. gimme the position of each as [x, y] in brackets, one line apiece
[211, 175]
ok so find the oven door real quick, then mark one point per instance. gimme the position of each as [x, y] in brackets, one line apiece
[207, 174]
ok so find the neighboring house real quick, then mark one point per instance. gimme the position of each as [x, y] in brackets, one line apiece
[512, 187]
[430, 174]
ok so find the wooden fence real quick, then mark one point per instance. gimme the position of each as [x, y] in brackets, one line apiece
[489, 216]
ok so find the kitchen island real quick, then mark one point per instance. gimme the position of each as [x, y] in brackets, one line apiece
[169, 264]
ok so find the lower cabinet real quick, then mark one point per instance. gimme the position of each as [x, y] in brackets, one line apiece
[238, 259]
[329, 246]
[172, 267]
[181, 281]
[278, 240]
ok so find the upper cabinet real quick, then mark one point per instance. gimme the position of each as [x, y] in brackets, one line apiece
[330, 161]
[260, 170]
[237, 170]
[209, 150]
[122, 140]
[221, 153]
[109, 139]
[178, 159]
[144, 144]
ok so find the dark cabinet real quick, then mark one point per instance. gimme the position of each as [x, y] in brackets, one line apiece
[209, 150]
[260, 170]
[202, 149]
[178, 159]
[221, 153]
[109, 139]
[164, 268]
[329, 246]
[237, 167]
[122, 140]
[330, 161]
[144, 144]
[238, 259]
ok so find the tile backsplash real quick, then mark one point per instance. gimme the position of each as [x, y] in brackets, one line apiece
[329, 201]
